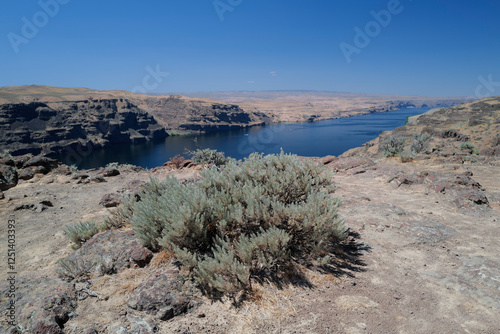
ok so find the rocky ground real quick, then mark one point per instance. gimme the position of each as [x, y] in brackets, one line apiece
[421, 256]
[420, 260]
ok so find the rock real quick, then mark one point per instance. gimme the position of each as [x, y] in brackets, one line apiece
[44, 304]
[328, 159]
[109, 172]
[140, 325]
[63, 170]
[8, 162]
[161, 295]
[2, 196]
[343, 164]
[24, 207]
[21, 160]
[8, 177]
[471, 197]
[107, 253]
[48, 163]
[90, 331]
[491, 151]
[37, 207]
[29, 172]
[110, 200]
[97, 179]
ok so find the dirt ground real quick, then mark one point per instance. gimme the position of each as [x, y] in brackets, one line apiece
[418, 264]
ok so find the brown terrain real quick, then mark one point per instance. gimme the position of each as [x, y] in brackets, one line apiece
[421, 256]
[307, 106]
[53, 120]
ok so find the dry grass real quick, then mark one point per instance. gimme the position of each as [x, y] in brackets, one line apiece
[267, 306]
[161, 259]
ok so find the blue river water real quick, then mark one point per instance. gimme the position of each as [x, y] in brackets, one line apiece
[330, 137]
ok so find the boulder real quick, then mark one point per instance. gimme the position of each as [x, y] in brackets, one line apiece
[110, 200]
[29, 172]
[161, 295]
[109, 172]
[466, 199]
[106, 253]
[44, 304]
[140, 325]
[48, 163]
[8, 177]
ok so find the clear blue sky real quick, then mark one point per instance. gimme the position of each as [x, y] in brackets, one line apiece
[429, 47]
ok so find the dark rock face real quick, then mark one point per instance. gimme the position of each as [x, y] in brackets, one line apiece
[107, 253]
[178, 112]
[161, 295]
[8, 177]
[109, 172]
[44, 304]
[58, 127]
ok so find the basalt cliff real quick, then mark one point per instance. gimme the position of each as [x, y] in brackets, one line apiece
[45, 120]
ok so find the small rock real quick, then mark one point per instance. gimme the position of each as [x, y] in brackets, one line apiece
[328, 159]
[90, 331]
[2, 196]
[24, 207]
[109, 172]
[97, 179]
[141, 325]
[110, 200]
[47, 203]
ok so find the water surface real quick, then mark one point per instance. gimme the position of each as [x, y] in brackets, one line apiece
[330, 137]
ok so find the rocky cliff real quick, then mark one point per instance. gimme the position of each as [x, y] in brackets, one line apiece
[476, 123]
[51, 120]
[52, 127]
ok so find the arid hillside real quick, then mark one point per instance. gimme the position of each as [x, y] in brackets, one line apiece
[420, 256]
[307, 106]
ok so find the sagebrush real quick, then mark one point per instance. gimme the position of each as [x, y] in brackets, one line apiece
[420, 142]
[80, 232]
[255, 218]
[393, 145]
[208, 156]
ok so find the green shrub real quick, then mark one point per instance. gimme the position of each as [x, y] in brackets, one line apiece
[252, 219]
[406, 156]
[81, 232]
[117, 165]
[121, 215]
[420, 142]
[467, 146]
[208, 156]
[392, 146]
[5, 154]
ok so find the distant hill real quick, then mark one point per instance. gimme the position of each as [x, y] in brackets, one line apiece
[476, 122]
[301, 106]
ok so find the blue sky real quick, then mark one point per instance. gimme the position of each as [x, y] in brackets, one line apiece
[435, 48]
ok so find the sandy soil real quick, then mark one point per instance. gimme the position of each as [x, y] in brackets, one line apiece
[417, 264]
